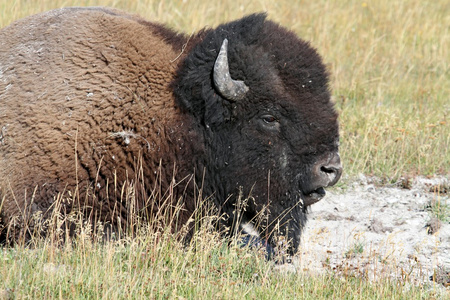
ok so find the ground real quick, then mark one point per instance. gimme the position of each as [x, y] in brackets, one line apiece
[377, 231]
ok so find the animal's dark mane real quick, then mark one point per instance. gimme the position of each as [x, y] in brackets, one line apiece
[189, 84]
[293, 60]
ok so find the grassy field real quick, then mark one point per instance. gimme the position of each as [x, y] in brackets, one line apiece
[389, 62]
[141, 268]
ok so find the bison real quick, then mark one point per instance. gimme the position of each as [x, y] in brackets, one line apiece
[96, 99]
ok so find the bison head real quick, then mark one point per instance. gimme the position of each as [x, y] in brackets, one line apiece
[261, 97]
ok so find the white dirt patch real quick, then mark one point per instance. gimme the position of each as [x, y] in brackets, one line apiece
[378, 232]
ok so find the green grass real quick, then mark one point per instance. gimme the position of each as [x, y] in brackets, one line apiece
[389, 65]
[355, 250]
[440, 210]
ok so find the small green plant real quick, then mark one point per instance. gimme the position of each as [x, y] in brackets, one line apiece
[356, 249]
[440, 209]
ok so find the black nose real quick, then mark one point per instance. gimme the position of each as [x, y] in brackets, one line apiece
[331, 171]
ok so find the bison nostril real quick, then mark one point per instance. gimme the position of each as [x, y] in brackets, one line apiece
[328, 169]
[332, 173]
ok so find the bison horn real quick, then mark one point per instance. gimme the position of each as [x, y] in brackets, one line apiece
[231, 89]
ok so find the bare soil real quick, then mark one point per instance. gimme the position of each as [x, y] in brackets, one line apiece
[377, 231]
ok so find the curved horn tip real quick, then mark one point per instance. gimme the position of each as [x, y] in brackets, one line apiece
[231, 89]
[224, 45]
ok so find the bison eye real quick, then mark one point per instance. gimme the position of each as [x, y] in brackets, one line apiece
[269, 119]
[270, 122]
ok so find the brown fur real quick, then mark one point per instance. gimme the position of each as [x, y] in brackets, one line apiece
[110, 105]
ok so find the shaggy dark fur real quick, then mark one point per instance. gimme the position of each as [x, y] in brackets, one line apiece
[92, 99]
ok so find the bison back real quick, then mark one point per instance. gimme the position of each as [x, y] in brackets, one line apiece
[83, 94]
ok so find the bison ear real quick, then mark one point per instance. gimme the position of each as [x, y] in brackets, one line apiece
[217, 111]
[232, 90]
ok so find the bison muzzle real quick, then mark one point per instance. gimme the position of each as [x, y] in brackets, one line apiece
[94, 99]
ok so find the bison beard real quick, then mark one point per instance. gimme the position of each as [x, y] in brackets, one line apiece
[91, 96]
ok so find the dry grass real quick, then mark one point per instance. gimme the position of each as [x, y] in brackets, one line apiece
[155, 264]
[147, 260]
